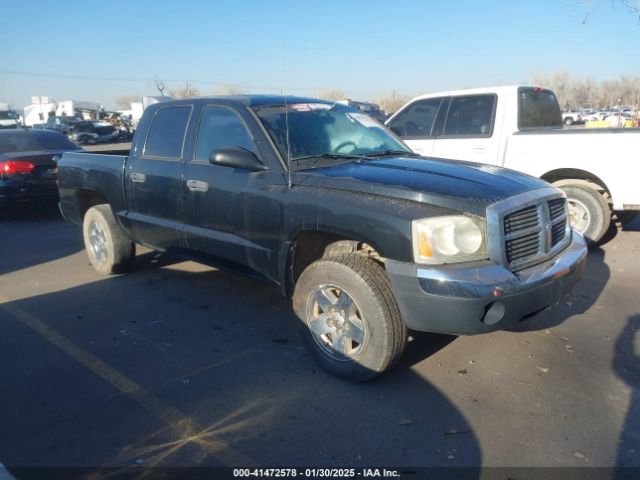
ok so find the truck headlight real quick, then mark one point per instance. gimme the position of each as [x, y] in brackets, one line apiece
[448, 240]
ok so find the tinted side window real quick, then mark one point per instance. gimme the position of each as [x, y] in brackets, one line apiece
[538, 107]
[166, 134]
[471, 116]
[417, 119]
[221, 128]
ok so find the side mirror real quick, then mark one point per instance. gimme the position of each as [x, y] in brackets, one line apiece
[236, 158]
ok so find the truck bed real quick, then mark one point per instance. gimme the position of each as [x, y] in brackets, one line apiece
[102, 174]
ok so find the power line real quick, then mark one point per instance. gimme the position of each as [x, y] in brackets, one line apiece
[151, 80]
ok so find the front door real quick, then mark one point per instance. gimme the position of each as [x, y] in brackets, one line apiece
[415, 124]
[220, 211]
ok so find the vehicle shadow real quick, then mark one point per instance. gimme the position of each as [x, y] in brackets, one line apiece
[609, 235]
[615, 227]
[179, 365]
[626, 364]
[633, 226]
[585, 294]
[35, 234]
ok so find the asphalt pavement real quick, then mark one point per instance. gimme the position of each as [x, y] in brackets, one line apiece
[180, 364]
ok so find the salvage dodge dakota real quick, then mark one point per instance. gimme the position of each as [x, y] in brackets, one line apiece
[369, 239]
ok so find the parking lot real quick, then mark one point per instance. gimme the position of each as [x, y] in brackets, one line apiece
[179, 364]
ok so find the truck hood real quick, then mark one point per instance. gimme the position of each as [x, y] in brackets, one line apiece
[455, 185]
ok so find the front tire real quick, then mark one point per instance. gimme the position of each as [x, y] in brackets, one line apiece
[350, 319]
[589, 212]
[108, 248]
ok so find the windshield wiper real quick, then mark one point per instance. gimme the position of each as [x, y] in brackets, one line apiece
[326, 155]
[386, 153]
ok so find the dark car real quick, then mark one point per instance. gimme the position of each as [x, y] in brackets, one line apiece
[63, 124]
[94, 131]
[28, 165]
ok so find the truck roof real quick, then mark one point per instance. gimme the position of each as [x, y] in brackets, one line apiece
[472, 91]
[248, 100]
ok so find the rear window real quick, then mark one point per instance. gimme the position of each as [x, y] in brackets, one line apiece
[166, 135]
[538, 108]
[33, 141]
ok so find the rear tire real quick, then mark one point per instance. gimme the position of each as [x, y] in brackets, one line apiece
[350, 319]
[589, 212]
[108, 248]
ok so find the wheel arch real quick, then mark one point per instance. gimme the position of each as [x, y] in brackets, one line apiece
[566, 176]
[87, 198]
[310, 245]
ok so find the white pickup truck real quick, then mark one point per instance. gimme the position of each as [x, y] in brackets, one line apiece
[520, 127]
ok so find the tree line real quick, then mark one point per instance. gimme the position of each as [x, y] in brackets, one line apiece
[572, 92]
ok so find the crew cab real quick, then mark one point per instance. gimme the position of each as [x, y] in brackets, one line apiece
[520, 127]
[368, 238]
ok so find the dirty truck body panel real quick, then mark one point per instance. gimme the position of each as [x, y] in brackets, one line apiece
[176, 192]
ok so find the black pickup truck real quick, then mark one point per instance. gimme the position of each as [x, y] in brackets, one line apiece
[369, 239]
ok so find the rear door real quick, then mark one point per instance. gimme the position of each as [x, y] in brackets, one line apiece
[155, 179]
[415, 124]
[468, 132]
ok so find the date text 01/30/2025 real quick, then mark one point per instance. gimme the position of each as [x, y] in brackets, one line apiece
[316, 472]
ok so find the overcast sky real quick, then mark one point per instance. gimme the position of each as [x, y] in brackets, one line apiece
[96, 51]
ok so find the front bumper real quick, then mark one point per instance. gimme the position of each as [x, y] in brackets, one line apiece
[464, 300]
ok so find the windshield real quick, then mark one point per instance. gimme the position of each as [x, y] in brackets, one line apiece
[8, 115]
[321, 130]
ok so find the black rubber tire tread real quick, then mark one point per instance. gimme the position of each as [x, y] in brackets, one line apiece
[598, 209]
[401, 333]
[373, 274]
[379, 276]
[121, 250]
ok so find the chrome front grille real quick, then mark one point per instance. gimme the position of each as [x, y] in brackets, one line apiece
[533, 227]
[558, 216]
[522, 233]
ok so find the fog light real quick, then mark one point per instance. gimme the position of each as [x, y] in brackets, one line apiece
[494, 312]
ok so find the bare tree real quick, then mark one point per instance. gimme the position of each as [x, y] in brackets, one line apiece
[582, 92]
[332, 94]
[392, 102]
[230, 89]
[186, 91]
[125, 101]
[631, 6]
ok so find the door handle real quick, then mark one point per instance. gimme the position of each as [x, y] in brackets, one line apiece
[138, 177]
[197, 186]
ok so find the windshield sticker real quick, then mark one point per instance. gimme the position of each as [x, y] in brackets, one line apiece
[364, 120]
[308, 107]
